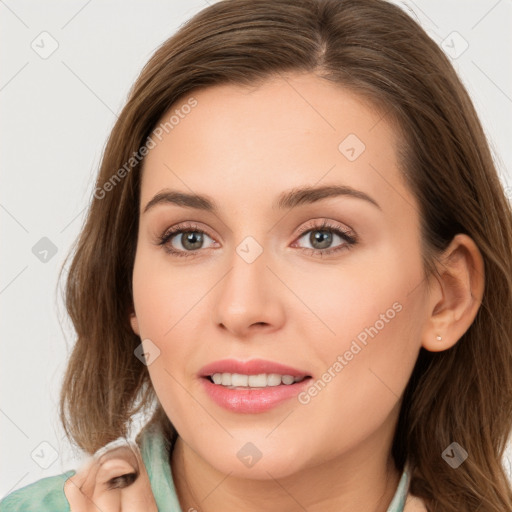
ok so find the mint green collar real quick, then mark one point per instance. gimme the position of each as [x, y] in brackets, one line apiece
[154, 450]
[398, 502]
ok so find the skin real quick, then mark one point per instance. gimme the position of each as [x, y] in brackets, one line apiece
[243, 147]
[89, 491]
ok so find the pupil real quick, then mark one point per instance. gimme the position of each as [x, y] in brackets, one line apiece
[192, 239]
[324, 239]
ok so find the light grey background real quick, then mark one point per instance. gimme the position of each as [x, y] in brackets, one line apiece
[56, 114]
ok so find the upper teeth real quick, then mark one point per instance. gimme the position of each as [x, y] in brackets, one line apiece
[253, 381]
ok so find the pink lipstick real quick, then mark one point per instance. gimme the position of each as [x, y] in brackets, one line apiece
[251, 386]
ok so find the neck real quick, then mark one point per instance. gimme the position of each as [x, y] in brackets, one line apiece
[365, 479]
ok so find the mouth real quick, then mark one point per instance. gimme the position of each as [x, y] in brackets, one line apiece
[258, 381]
[252, 373]
[254, 386]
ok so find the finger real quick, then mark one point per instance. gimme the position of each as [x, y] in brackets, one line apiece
[139, 497]
[80, 489]
[89, 472]
[74, 496]
[122, 482]
[78, 501]
[115, 464]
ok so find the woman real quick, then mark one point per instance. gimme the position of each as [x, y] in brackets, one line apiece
[370, 369]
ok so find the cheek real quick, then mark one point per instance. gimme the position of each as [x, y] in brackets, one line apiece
[162, 294]
[374, 315]
[167, 301]
[369, 297]
[365, 369]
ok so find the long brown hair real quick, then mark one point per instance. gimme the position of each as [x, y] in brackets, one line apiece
[372, 47]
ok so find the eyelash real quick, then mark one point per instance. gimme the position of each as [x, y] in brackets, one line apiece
[347, 235]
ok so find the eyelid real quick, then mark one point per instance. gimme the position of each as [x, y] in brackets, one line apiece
[184, 226]
[327, 225]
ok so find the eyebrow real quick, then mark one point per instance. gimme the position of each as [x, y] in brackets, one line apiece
[289, 199]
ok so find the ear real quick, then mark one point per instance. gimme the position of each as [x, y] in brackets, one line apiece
[134, 323]
[455, 294]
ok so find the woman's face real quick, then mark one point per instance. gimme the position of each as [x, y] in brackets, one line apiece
[260, 278]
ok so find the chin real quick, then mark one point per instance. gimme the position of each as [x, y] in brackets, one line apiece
[257, 460]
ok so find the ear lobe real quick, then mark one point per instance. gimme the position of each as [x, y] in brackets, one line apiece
[457, 295]
[134, 323]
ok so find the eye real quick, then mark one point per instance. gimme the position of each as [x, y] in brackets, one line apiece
[191, 238]
[187, 235]
[322, 236]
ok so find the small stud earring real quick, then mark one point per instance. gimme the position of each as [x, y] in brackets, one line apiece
[438, 338]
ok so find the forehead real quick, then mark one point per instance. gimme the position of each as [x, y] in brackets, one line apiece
[238, 142]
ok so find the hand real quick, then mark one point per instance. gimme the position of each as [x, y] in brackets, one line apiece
[112, 480]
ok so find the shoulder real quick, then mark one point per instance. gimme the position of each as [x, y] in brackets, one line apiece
[45, 495]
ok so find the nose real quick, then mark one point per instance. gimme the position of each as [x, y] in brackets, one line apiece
[250, 298]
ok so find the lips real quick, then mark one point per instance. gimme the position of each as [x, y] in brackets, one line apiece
[252, 367]
[246, 397]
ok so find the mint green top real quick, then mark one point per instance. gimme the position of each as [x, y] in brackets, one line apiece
[47, 494]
